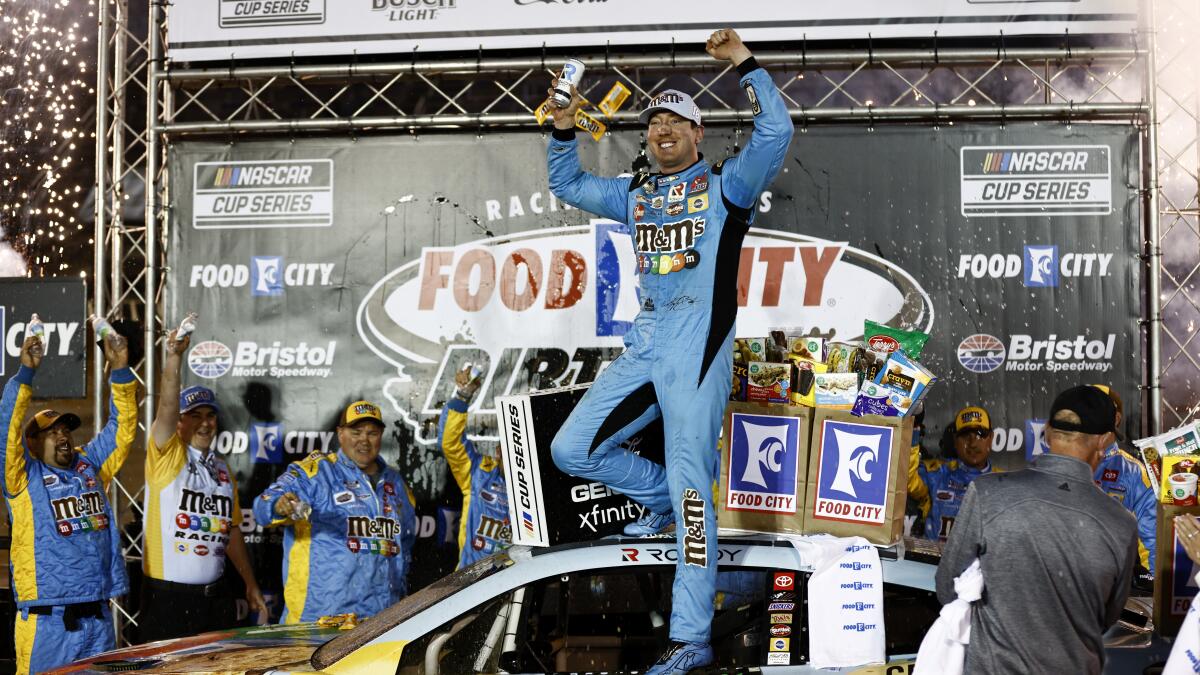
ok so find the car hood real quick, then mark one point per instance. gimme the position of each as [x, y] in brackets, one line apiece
[236, 651]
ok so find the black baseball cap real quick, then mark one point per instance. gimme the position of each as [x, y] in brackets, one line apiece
[1095, 409]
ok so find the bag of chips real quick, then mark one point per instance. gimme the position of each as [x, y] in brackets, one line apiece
[881, 338]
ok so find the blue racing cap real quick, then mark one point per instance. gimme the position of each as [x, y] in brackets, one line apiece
[195, 396]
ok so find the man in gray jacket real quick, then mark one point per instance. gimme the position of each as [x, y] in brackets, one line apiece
[1057, 554]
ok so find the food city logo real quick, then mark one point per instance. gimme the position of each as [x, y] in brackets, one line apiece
[763, 460]
[479, 301]
[268, 443]
[982, 353]
[853, 472]
[86, 512]
[1035, 180]
[212, 359]
[266, 275]
[412, 10]
[262, 194]
[1038, 266]
[250, 13]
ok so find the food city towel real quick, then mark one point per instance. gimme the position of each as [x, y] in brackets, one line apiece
[944, 649]
[845, 601]
[1185, 655]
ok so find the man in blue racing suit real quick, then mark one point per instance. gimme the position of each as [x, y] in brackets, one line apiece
[940, 487]
[1123, 478]
[484, 525]
[688, 223]
[350, 522]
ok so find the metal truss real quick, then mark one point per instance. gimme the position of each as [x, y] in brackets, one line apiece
[1174, 236]
[124, 284]
[818, 86]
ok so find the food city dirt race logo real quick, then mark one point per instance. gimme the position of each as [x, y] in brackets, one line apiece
[550, 308]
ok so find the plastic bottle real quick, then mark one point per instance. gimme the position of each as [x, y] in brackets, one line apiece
[35, 328]
[186, 327]
[102, 327]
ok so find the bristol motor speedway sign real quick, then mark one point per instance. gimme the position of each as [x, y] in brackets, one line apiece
[387, 278]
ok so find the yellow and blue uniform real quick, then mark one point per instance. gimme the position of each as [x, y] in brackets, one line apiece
[353, 551]
[1124, 478]
[66, 543]
[939, 488]
[484, 527]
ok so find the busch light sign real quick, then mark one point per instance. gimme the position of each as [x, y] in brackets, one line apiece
[853, 472]
[763, 458]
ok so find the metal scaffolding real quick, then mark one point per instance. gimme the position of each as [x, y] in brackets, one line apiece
[145, 103]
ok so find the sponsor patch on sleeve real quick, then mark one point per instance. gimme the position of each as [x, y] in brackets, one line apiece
[755, 106]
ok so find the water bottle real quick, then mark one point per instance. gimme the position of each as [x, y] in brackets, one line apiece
[302, 510]
[571, 76]
[102, 327]
[186, 327]
[35, 328]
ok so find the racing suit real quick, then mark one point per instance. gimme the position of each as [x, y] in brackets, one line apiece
[1124, 478]
[940, 488]
[66, 545]
[352, 553]
[484, 526]
[688, 229]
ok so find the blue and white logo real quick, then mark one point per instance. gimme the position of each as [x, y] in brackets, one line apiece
[1035, 439]
[266, 275]
[1183, 579]
[764, 454]
[617, 303]
[1041, 266]
[853, 473]
[266, 442]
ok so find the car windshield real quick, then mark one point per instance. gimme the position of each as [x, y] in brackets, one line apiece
[368, 630]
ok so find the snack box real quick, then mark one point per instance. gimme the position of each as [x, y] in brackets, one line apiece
[804, 371]
[806, 347]
[875, 399]
[749, 349]
[843, 357]
[769, 382]
[907, 380]
[836, 391]
[740, 382]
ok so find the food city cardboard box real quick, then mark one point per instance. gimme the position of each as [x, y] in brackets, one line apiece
[546, 506]
[1174, 585]
[764, 460]
[857, 476]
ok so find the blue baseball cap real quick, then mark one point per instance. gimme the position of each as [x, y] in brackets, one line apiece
[196, 396]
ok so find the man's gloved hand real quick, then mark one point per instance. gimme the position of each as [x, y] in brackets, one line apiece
[31, 352]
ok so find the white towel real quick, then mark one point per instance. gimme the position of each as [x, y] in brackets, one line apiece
[845, 601]
[944, 649]
[1185, 655]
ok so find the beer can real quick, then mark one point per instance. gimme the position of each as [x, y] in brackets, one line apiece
[572, 75]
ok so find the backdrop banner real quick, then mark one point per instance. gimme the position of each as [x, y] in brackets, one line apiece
[62, 307]
[325, 271]
[210, 30]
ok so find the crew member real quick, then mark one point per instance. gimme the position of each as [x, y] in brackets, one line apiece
[66, 544]
[939, 488]
[192, 516]
[1125, 479]
[351, 524]
[484, 526]
[687, 224]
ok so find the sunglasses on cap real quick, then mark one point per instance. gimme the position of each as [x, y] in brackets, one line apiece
[977, 433]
